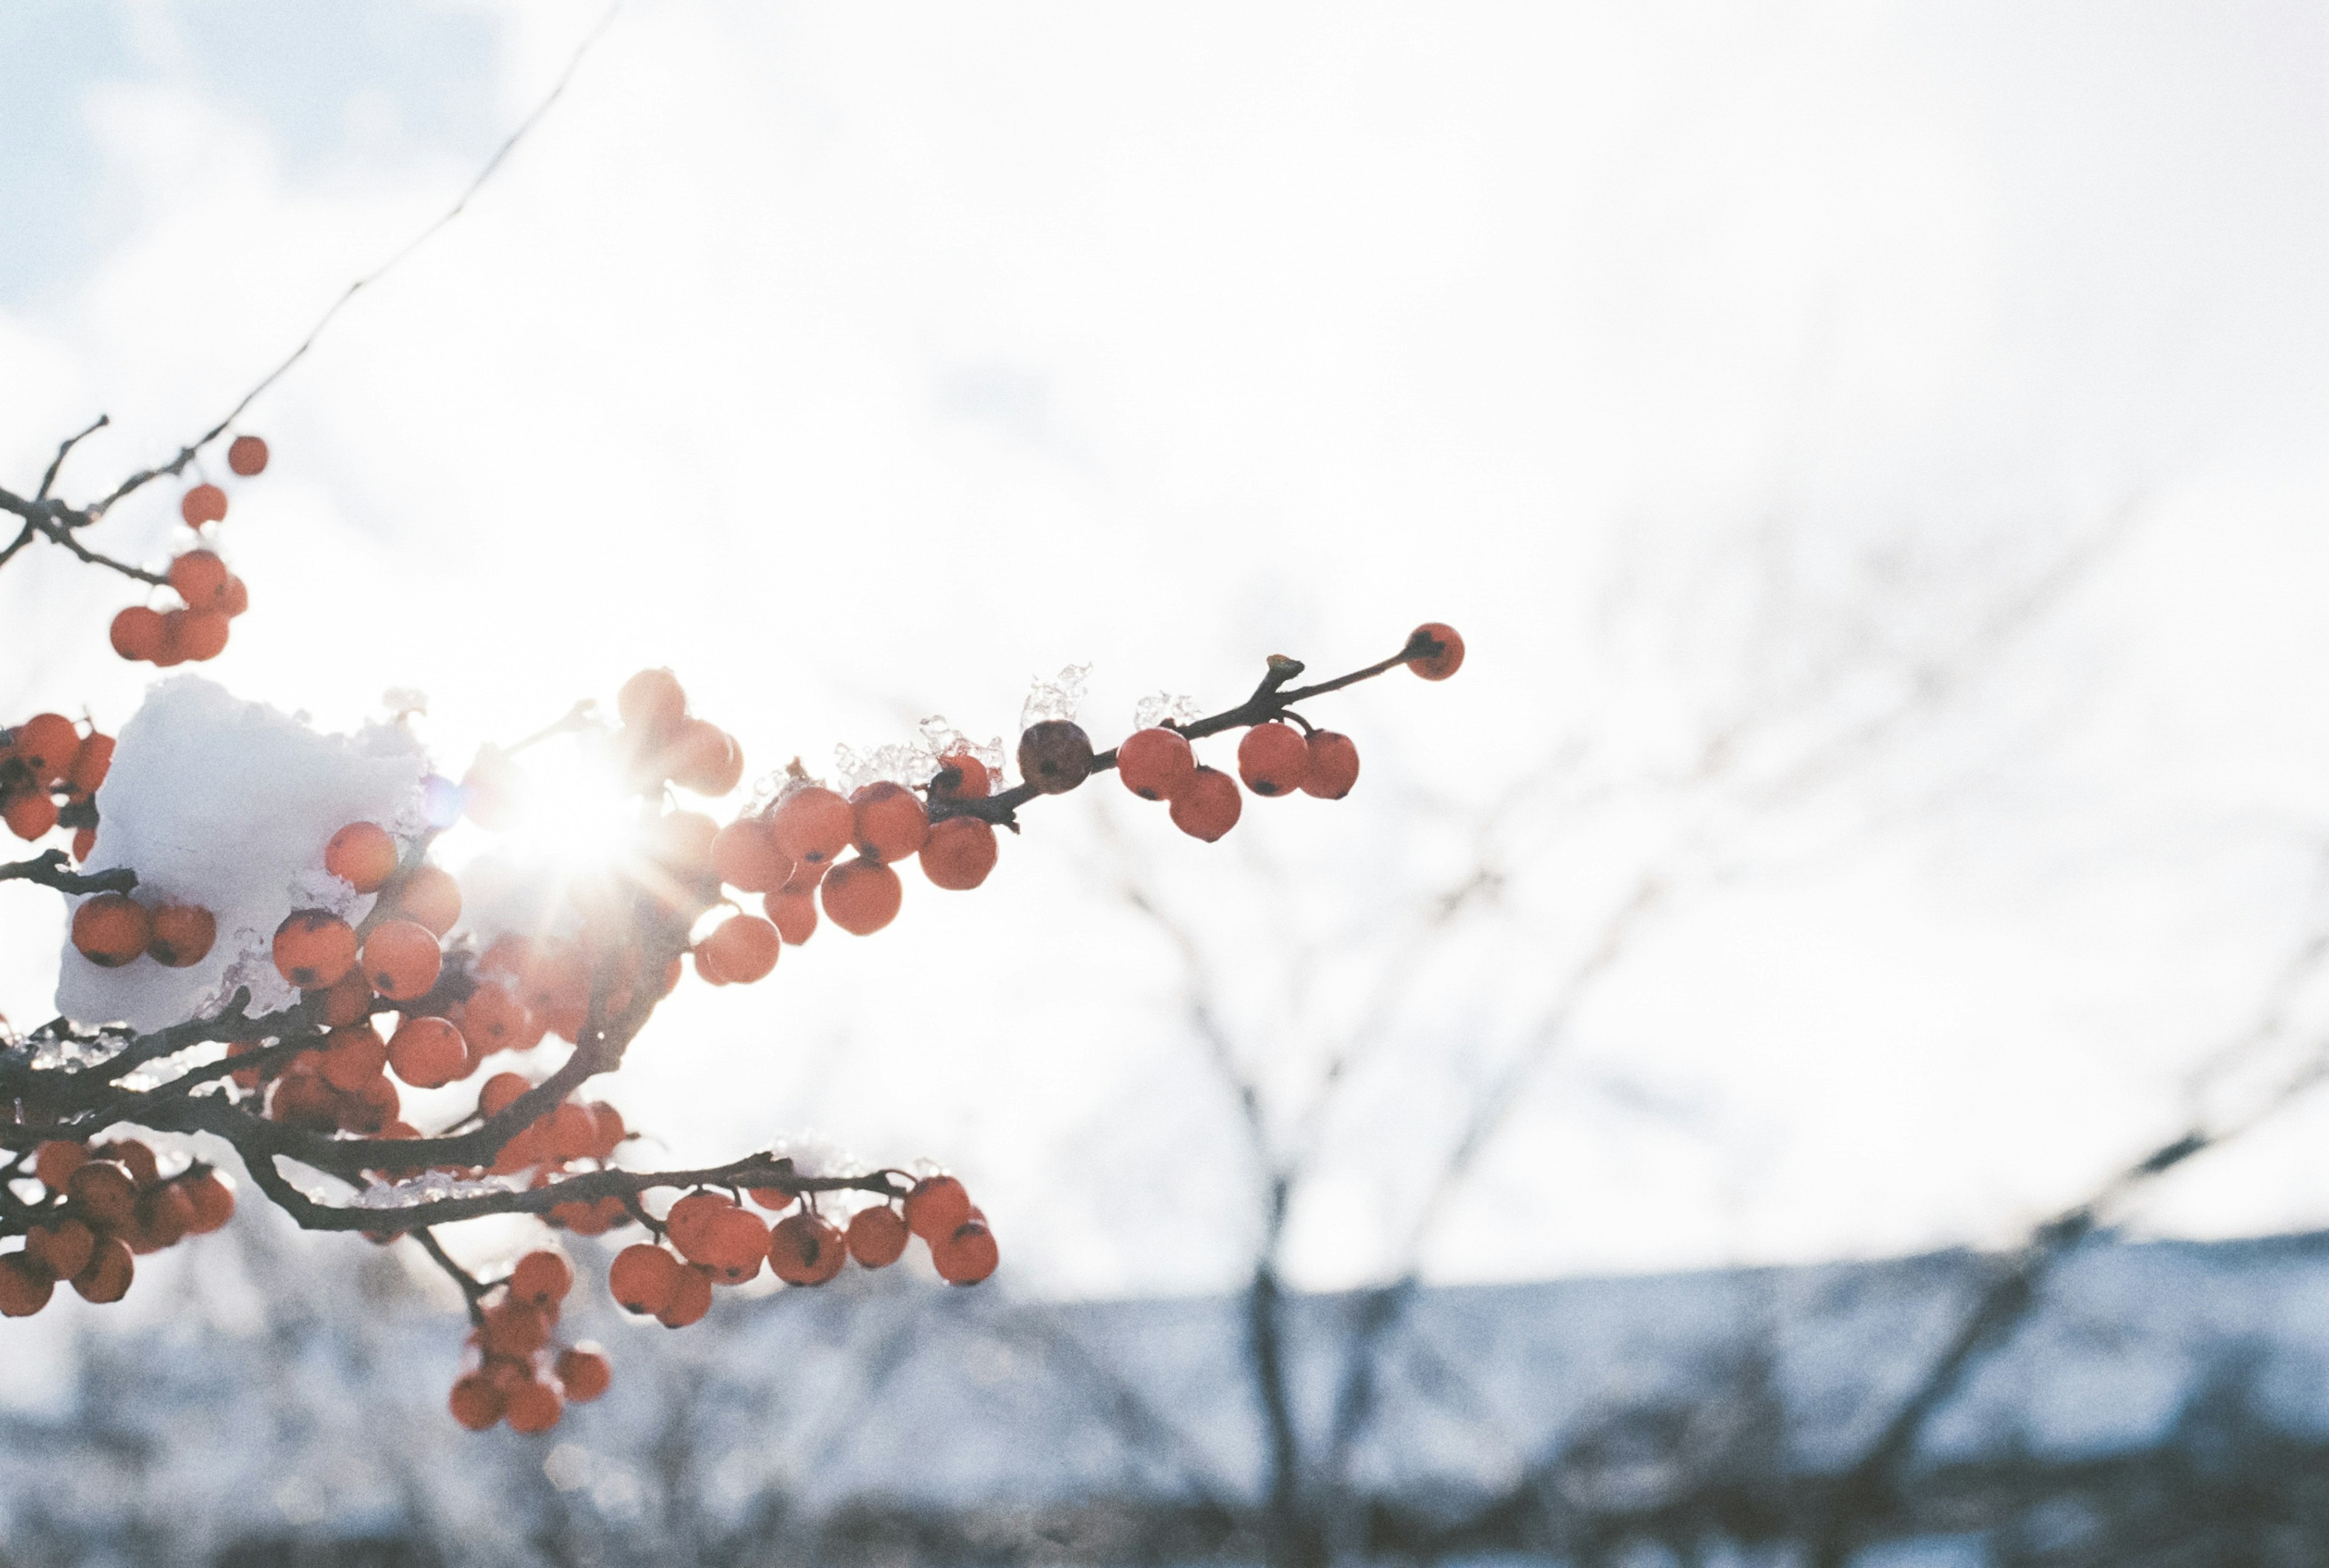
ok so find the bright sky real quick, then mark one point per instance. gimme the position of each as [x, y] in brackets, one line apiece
[860, 363]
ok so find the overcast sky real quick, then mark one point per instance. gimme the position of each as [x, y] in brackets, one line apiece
[861, 362]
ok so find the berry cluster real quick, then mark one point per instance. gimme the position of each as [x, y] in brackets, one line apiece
[715, 1240]
[210, 596]
[49, 771]
[517, 1370]
[101, 1205]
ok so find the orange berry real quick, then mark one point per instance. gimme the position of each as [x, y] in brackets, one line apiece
[891, 823]
[569, 1132]
[745, 948]
[401, 960]
[137, 633]
[960, 853]
[111, 929]
[46, 744]
[108, 1275]
[533, 1408]
[314, 948]
[247, 455]
[707, 966]
[689, 1222]
[794, 915]
[642, 1278]
[182, 935]
[475, 1402]
[500, 1091]
[967, 1255]
[1154, 763]
[195, 634]
[1333, 765]
[1435, 651]
[30, 815]
[352, 1058]
[611, 1130]
[744, 855]
[516, 1328]
[961, 776]
[62, 1249]
[304, 1100]
[812, 824]
[704, 758]
[494, 1019]
[935, 1205]
[877, 1236]
[806, 877]
[200, 576]
[1054, 755]
[347, 1001]
[56, 1160]
[92, 760]
[372, 1106]
[585, 1372]
[236, 600]
[1209, 806]
[805, 1250]
[542, 1277]
[652, 702]
[1273, 760]
[428, 1052]
[84, 841]
[863, 896]
[428, 895]
[24, 1290]
[691, 1298]
[363, 855]
[204, 503]
[213, 1201]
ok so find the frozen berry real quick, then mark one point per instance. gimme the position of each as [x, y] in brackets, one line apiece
[744, 855]
[475, 1401]
[805, 1250]
[960, 853]
[641, 1279]
[1273, 760]
[401, 960]
[652, 702]
[745, 948]
[111, 929]
[92, 761]
[428, 895]
[935, 1205]
[1054, 755]
[966, 1256]
[183, 934]
[428, 1053]
[812, 825]
[363, 855]
[1209, 806]
[862, 896]
[877, 1236]
[1155, 763]
[584, 1372]
[314, 948]
[794, 915]
[891, 823]
[960, 776]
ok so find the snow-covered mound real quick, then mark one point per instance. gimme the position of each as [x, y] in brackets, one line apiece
[228, 804]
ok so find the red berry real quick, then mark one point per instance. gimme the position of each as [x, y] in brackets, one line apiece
[734, 1243]
[46, 744]
[1333, 765]
[744, 855]
[1054, 755]
[967, 1255]
[204, 503]
[585, 1373]
[428, 1053]
[111, 929]
[195, 634]
[108, 1275]
[652, 702]
[1273, 760]
[352, 1058]
[213, 1201]
[1434, 651]
[102, 1193]
[314, 948]
[30, 814]
[24, 1290]
[813, 825]
[1209, 806]
[247, 455]
[960, 853]
[182, 936]
[533, 1408]
[935, 1205]
[641, 1279]
[1155, 763]
[960, 776]
[56, 1160]
[691, 1298]
[793, 914]
[138, 634]
[863, 896]
[542, 1278]
[744, 948]
[428, 895]
[877, 1236]
[92, 761]
[475, 1402]
[805, 1250]
[200, 578]
[889, 822]
[401, 960]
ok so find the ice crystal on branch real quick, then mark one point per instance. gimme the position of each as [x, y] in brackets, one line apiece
[1057, 698]
[1165, 707]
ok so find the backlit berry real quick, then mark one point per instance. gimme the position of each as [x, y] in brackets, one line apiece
[960, 853]
[734, 1243]
[744, 855]
[1333, 765]
[401, 960]
[200, 576]
[428, 1053]
[182, 935]
[641, 1278]
[137, 633]
[862, 896]
[1209, 806]
[744, 948]
[584, 1372]
[204, 503]
[314, 948]
[891, 822]
[352, 1058]
[935, 1205]
[193, 635]
[1054, 755]
[812, 825]
[1435, 651]
[247, 455]
[1273, 760]
[428, 895]
[652, 702]
[1156, 763]
[111, 929]
[877, 1236]
[805, 1250]
[363, 855]
[794, 915]
[702, 757]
